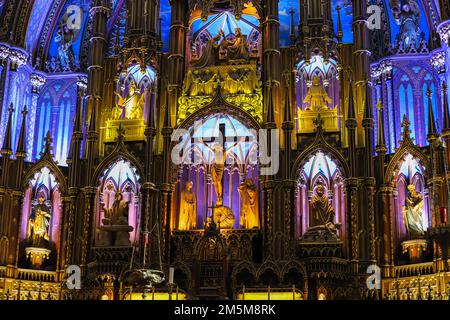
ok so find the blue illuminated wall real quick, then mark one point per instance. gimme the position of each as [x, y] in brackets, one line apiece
[17, 92]
[166, 14]
[407, 96]
[36, 22]
[55, 113]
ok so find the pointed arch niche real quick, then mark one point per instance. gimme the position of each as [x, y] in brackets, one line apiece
[197, 159]
[121, 176]
[410, 171]
[42, 185]
[320, 168]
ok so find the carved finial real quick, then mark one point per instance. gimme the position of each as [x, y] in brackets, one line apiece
[405, 125]
[48, 143]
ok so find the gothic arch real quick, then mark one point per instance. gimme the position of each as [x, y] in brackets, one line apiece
[48, 162]
[293, 264]
[242, 266]
[218, 105]
[268, 265]
[404, 150]
[328, 150]
[119, 153]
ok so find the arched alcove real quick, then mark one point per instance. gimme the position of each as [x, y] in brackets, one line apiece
[119, 177]
[41, 221]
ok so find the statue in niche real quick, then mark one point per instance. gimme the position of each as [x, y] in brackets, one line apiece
[209, 82]
[201, 83]
[65, 38]
[38, 225]
[210, 54]
[322, 213]
[237, 48]
[118, 213]
[317, 97]
[249, 198]
[321, 219]
[220, 157]
[115, 230]
[413, 213]
[188, 208]
[133, 104]
[230, 85]
[406, 14]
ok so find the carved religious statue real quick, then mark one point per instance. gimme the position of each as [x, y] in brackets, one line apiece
[220, 157]
[413, 213]
[406, 14]
[118, 213]
[237, 48]
[38, 225]
[210, 54]
[317, 97]
[201, 83]
[249, 210]
[65, 37]
[133, 104]
[322, 213]
[115, 230]
[188, 208]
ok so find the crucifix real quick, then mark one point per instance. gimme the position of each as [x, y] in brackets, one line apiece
[220, 152]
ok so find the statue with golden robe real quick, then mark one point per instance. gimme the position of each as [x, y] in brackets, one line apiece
[133, 104]
[317, 98]
[413, 213]
[249, 199]
[188, 208]
[38, 225]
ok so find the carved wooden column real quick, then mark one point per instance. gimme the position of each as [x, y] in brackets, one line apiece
[361, 56]
[65, 246]
[352, 209]
[177, 44]
[14, 227]
[85, 230]
[289, 218]
[271, 55]
[386, 209]
[268, 218]
[99, 16]
[167, 190]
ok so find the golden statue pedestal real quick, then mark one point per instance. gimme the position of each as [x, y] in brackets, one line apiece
[415, 249]
[134, 129]
[37, 255]
[306, 120]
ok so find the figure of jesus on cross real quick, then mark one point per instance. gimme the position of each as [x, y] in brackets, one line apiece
[220, 156]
